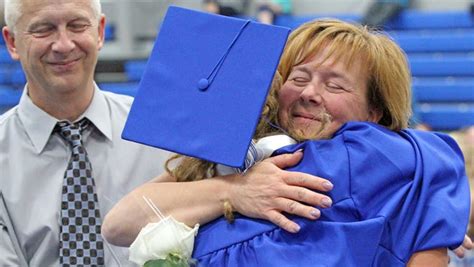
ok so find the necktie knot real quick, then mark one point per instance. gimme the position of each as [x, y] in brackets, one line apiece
[72, 132]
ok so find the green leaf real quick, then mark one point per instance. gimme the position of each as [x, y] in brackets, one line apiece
[172, 260]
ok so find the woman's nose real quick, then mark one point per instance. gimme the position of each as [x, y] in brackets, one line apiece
[312, 93]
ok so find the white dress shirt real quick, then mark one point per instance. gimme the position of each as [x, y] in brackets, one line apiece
[32, 165]
[258, 151]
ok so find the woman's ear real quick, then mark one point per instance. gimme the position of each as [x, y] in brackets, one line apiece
[375, 114]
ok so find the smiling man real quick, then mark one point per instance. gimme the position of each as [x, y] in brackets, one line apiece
[57, 44]
[63, 164]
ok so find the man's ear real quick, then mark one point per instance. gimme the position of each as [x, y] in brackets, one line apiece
[9, 38]
[101, 31]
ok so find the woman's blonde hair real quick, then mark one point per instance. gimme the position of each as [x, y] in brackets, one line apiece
[388, 81]
[389, 76]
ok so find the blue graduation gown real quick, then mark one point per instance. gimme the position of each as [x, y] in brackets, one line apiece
[394, 194]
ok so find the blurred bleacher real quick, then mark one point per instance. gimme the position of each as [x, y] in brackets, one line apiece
[439, 45]
[440, 49]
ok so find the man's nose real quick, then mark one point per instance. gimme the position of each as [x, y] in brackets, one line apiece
[63, 43]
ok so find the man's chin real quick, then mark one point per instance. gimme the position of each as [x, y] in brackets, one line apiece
[66, 78]
[64, 85]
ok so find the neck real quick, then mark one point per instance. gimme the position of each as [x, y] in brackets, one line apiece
[63, 105]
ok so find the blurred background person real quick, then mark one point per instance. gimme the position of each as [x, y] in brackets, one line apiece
[268, 11]
[381, 11]
[213, 6]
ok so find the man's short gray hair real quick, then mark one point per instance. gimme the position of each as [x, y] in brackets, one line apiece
[13, 11]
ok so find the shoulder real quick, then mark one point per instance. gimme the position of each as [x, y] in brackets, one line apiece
[434, 140]
[11, 131]
[372, 143]
[364, 131]
[7, 120]
[361, 143]
[8, 115]
[406, 141]
[402, 148]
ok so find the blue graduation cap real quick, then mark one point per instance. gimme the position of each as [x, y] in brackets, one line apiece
[204, 85]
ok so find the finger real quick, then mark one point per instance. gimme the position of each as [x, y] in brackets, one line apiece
[284, 161]
[467, 243]
[296, 208]
[307, 196]
[283, 222]
[308, 181]
[459, 252]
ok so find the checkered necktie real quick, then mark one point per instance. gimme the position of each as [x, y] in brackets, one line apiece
[80, 239]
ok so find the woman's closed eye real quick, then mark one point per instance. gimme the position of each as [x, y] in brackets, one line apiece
[299, 81]
[335, 86]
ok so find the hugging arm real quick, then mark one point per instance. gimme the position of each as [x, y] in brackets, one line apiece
[438, 257]
[430, 258]
[264, 192]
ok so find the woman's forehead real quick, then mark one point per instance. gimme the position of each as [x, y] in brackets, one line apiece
[330, 53]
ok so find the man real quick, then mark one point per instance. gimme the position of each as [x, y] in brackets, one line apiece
[57, 43]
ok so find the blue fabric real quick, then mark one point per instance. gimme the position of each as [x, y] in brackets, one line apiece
[394, 194]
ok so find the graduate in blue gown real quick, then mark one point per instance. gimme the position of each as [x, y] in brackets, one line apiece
[394, 194]
[399, 197]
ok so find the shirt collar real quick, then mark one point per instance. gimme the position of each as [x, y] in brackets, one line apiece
[99, 114]
[39, 125]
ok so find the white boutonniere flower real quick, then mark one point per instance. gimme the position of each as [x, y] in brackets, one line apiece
[164, 243]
